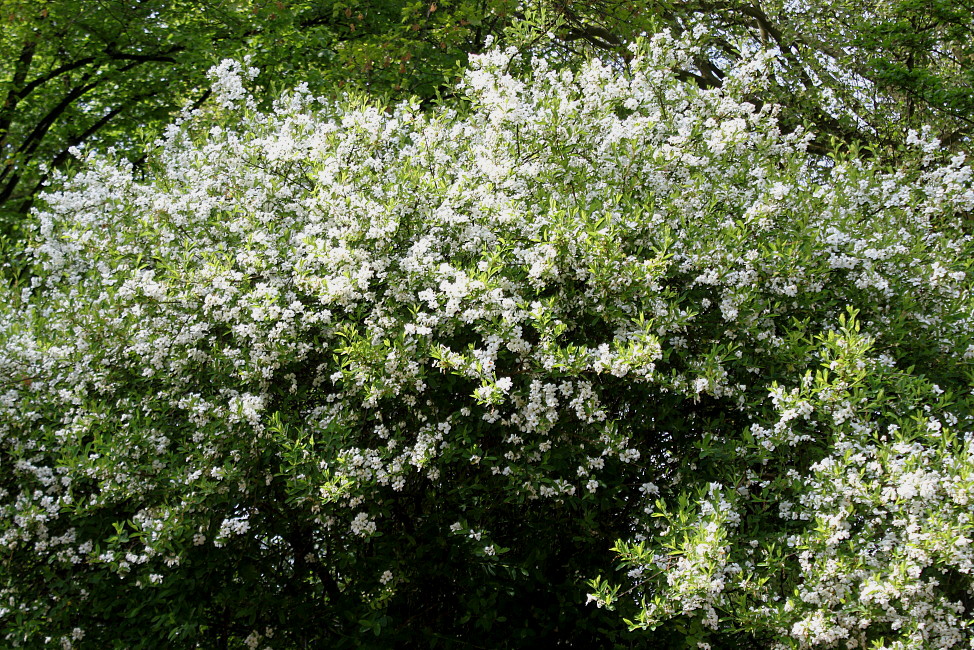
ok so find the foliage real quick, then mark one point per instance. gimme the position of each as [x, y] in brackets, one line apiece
[334, 375]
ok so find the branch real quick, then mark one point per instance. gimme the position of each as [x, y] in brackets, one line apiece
[33, 140]
[57, 72]
[597, 36]
[704, 82]
[163, 57]
[13, 95]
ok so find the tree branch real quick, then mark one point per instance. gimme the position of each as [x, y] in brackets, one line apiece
[14, 95]
[163, 57]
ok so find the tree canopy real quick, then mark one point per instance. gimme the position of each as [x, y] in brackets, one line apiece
[330, 373]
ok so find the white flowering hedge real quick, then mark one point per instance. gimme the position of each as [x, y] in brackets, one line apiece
[342, 376]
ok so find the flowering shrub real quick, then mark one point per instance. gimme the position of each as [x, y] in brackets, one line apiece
[334, 370]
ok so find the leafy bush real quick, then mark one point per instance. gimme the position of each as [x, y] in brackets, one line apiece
[337, 375]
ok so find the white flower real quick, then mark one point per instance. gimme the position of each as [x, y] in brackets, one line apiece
[362, 525]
